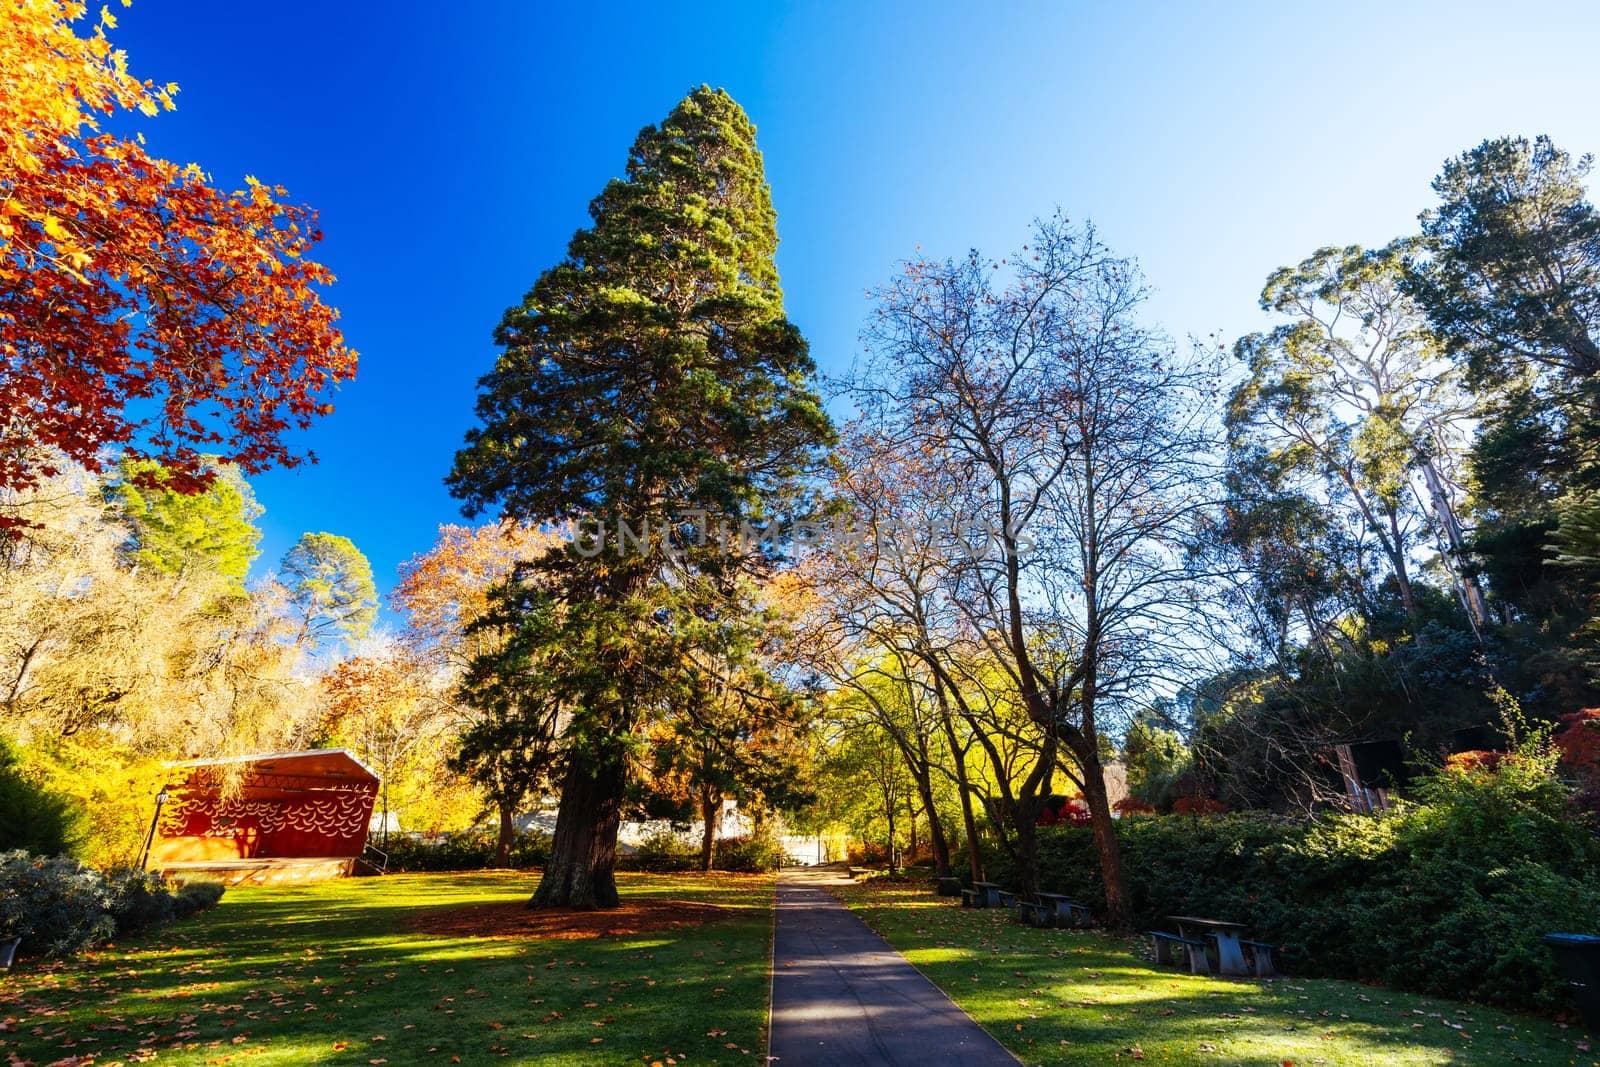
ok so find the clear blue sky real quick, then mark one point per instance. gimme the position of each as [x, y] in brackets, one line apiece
[453, 148]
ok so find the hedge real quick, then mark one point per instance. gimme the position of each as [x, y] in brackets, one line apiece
[1448, 896]
[660, 852]
[666, 852]
[472, 850]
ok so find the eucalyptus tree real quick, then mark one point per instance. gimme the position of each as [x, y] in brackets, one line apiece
[1513, 271]
[650, 381]
[1352, 404]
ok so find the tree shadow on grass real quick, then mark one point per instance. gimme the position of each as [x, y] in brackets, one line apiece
[1063, 997]
[332, 974]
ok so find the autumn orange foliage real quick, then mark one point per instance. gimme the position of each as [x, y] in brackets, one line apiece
[1198, 806]
[1579, 741]
[140, 307]
[1134, 806]
[1473, 760]
[444, 590]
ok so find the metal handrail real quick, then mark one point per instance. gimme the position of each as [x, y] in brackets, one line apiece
[381, 864]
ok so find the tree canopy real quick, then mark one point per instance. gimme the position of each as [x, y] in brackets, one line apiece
[141, 307]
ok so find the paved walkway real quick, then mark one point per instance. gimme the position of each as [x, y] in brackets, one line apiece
[841, 995]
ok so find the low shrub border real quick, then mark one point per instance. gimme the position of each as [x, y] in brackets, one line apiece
[58, 906]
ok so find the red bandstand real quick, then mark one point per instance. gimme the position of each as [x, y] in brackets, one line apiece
[279, 817]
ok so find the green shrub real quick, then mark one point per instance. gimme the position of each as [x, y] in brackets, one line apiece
[755, 854]
[57, 906]
[137, 899]
[662, 851]
[37, 820]
[195, 897]
[1449, 896]
[472, 850]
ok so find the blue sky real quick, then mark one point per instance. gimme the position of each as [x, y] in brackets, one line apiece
[452, 149]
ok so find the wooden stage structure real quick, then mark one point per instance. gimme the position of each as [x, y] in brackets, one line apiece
[260, 820]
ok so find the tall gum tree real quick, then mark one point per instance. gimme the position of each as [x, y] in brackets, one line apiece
[1355, 392]
[650, 378]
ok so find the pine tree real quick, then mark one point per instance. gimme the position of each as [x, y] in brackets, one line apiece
[175, 532]
[651, 378]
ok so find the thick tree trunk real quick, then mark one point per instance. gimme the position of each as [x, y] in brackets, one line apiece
[709, 805]
[508, 834]
[583, 856]
[911, 814]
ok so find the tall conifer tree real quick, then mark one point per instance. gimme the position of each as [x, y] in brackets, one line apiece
[651, 377]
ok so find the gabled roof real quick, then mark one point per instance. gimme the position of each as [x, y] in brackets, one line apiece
[312, 763]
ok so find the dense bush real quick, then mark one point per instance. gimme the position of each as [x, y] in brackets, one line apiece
[751, 854]
[195, 897]
[1447, 896]
[37, 820]
[665, 851]
[470, 851]
[59, 906]
[662, 851]
[137, 899]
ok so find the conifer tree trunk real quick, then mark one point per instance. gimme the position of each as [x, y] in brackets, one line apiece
[649, 382]
[583, 855]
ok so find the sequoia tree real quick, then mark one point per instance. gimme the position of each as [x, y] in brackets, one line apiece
[651, 385]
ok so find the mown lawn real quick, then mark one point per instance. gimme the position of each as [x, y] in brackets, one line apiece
[336, 973]
[1059, 997]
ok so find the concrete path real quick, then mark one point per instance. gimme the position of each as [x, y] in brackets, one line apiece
[841, 995]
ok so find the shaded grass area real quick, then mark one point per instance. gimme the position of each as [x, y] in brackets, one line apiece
[1062, 997]
[337, 973]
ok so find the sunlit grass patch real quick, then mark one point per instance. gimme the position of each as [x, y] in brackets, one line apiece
[1059, 997]
[337, 973]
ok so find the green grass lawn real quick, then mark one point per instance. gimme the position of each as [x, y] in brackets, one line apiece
[1056, 996]
[335, 973]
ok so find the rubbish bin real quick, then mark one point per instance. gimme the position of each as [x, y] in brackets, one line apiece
[1578, 960]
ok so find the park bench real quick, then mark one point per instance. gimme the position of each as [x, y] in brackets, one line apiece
[1032, 914]
[1194, 949]
[1068, 909]
[949, 887]
[970, 899]
[1007, 900]
[1230, 956]
[1261, 957]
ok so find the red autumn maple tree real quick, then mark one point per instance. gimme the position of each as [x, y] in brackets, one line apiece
[141, 307]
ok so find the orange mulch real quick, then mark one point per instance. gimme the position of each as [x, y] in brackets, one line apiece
[515, 919]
